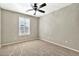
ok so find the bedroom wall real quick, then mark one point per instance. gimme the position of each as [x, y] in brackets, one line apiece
[10, 28]
[0, 27]
[61, 27]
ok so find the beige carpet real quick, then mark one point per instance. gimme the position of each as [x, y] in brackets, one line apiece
[36, 48]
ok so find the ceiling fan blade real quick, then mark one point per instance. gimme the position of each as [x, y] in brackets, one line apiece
[41, 11]
[44, 4]
[29, 10]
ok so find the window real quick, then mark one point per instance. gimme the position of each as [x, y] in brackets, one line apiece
[24, 26]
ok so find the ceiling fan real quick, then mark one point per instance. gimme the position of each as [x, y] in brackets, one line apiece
[37, 7]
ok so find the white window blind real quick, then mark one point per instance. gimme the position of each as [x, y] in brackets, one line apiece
[24, 26]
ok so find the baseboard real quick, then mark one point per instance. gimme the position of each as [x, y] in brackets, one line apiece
[61, 45]
[16, 42]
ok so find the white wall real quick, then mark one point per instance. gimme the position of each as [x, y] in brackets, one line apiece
[10, 27]
[61, 27]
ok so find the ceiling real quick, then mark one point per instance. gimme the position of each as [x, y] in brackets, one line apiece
[23, 7]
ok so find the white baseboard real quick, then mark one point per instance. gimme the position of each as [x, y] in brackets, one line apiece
[41, 39]
[61, 45]
[16, 42]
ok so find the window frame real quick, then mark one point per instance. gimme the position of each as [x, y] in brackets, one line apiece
[27, 25]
